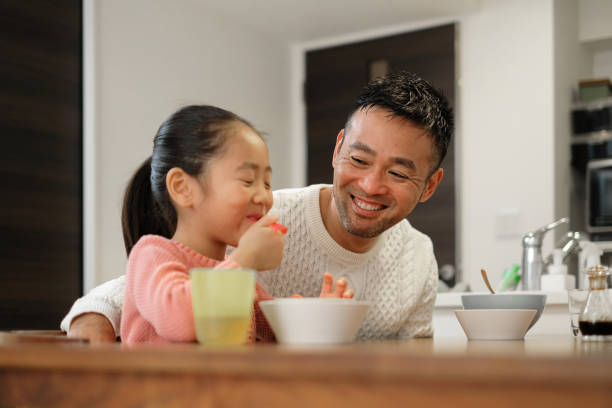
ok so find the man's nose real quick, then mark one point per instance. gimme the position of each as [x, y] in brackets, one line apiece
[373, 183]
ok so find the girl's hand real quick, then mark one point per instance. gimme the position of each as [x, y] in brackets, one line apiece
[261, 246]
[328, 291]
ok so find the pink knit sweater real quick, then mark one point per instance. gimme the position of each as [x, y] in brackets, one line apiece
[157, 306]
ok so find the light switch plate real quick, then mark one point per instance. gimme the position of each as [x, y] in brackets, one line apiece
[508, 223]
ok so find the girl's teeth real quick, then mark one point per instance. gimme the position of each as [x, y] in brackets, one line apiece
[368, 207]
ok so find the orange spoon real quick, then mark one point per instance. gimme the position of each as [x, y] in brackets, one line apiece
[279, 227]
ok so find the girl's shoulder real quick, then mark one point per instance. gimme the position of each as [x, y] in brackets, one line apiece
[154, 243]
[149, 253]
[161, 248]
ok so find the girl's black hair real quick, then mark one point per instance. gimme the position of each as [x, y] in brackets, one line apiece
[188, 139]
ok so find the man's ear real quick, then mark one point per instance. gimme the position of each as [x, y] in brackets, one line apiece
[432, 184]
[180, 187]
[338, 145]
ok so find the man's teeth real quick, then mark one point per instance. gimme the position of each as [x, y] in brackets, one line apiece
[368, 207]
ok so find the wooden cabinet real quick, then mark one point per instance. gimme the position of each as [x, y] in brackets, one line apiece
[40, 162]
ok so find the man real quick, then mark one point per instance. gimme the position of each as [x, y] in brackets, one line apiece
[386, 160]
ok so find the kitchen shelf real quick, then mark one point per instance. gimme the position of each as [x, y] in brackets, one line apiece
[592, 138]
[594, 104]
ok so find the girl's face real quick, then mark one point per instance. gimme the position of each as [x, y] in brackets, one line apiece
[235, 188]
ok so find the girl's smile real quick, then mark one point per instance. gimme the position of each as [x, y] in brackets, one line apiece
[254, 217]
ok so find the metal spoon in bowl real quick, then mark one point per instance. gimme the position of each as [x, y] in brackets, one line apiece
[486, 280]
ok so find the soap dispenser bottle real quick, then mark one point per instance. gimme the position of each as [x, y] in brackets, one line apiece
[557, 279]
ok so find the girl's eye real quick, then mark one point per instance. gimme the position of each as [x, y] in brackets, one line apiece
[268, 186]
[248, 182]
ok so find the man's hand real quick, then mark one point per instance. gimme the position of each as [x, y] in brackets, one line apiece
[93, 327]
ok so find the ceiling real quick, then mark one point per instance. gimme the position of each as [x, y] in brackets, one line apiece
[296, 21]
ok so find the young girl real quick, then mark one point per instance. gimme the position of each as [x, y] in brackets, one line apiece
[206, 186]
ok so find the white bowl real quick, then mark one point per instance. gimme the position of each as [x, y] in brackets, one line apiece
[535, 301]
[495, 324]
[314, 320]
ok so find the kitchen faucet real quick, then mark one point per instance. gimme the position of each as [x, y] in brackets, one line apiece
[569, 244]
[533, 263]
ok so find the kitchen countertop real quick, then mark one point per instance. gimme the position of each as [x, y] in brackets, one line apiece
[541, 371]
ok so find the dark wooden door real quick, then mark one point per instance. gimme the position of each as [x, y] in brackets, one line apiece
[334, 79]
[40, 161]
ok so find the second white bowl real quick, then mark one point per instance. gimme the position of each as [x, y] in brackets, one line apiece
[511, 300]
[495, 324]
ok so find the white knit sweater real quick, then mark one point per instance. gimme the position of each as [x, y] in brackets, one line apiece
[398, 276]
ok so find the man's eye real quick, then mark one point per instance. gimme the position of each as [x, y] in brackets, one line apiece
[398, 175]
[358, 160]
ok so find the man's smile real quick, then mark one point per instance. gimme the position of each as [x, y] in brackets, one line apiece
[366, 207]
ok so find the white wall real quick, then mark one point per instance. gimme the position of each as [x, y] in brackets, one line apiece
[505, 132]
[602, 63]
[594, 19]
[595, 34]
[152, 57]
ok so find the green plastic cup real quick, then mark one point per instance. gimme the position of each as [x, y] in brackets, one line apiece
[222, 304]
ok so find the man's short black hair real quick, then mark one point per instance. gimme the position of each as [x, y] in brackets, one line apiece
[410, 97]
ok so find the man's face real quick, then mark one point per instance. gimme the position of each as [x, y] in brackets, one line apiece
[381, 171]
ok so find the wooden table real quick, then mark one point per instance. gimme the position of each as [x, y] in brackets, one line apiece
[539, 371]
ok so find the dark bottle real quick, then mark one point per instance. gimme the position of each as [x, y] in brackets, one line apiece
[595, 329]
[595, 321]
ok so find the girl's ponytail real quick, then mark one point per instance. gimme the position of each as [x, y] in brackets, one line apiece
[141, 214]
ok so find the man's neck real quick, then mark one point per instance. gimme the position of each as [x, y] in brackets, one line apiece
[333, 225]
